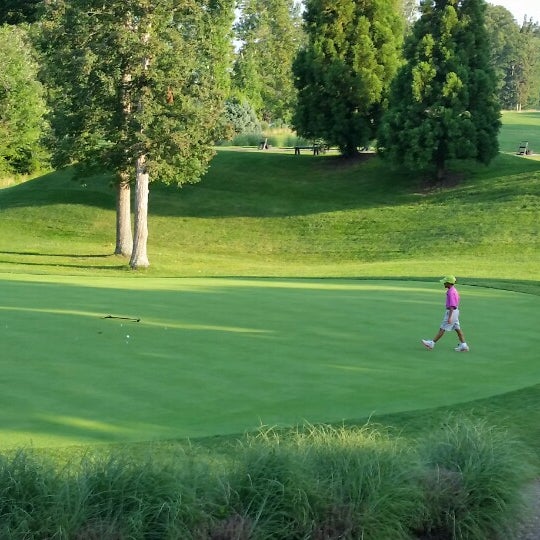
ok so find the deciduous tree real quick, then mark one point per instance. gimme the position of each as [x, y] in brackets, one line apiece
[269, 33]
[20, 11]
[528, 66]
[139, 89]
[22, 105]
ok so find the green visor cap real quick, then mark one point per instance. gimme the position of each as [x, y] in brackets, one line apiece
[449, 279]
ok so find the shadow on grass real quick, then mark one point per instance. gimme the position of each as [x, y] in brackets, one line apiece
[72, 255]
[26, 260]
[207, 354]
[248, 184]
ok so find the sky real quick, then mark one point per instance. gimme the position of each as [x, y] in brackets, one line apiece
[520, 8]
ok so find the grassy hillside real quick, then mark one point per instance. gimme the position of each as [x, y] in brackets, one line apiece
[259, 213]
[221, 350]
[273, 213]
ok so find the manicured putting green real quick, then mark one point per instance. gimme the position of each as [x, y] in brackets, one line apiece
[222, 356]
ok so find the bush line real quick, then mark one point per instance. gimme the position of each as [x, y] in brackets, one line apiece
[463, 481]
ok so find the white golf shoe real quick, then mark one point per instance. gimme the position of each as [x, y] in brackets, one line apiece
[462, 347]
[428, 343]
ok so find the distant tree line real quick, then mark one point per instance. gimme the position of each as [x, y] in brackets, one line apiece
[145, 89]
[515, 57]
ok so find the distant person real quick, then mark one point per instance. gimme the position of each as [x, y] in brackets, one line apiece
[451, 317]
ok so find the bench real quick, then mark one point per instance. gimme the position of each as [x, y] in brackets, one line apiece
[315, 148]
[523, 148]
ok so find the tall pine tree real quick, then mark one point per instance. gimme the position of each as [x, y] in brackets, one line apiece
[443, 103]
[344, 72]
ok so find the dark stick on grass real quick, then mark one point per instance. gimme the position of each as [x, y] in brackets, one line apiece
[123, 318]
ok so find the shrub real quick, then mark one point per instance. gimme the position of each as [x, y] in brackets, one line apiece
[320, 482]
[362, 483]
[27, 496]
[472, 480]
[268, 487]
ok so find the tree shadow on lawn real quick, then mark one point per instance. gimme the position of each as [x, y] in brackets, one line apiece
[26, 259]
[93, 356]
[252, 185]
[62, 255]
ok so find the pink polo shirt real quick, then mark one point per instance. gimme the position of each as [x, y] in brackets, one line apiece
[452, 297]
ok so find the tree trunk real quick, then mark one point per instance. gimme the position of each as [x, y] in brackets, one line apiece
[440, 172]
[124, 238]
[139, 257]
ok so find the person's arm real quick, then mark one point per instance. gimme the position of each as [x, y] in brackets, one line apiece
[450, 314]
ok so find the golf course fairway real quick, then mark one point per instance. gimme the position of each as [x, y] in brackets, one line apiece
[225, 355]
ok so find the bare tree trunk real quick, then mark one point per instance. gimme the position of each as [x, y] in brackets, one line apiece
[440, 173]
[139, 257]
[124, 238]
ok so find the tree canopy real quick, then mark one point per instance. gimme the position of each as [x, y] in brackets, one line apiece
[22, 105]
[269, 33]
[443, 103]
[20, 11]
[344, 72]
[138, 88]
[515, 55]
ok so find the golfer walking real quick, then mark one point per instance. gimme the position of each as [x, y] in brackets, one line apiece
[451, 317]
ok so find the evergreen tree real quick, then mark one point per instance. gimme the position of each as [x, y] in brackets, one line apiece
[443, 103]
[139, 89]
[239, 117]
[344, 72]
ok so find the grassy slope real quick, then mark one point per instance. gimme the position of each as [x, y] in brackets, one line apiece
[277, 214]
[264, 213]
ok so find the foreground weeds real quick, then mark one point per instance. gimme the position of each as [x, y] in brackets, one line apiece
[317, 482]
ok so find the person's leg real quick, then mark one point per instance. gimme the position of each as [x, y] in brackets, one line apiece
[439, 335]
[430, 343]
[462, 347]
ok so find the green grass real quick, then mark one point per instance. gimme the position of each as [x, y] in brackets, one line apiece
[518, 127]
[278, 214]
[288, 291]
[222, 356]
[267, 214]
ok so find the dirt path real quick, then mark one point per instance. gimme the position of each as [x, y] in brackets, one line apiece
[531, 528]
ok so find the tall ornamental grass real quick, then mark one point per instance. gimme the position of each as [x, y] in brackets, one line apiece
[275, 137]
[464, 481]
[361, 482]
[28, 492]
[472, 479]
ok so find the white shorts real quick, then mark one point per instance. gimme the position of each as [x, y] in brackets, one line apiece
[454, 325]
